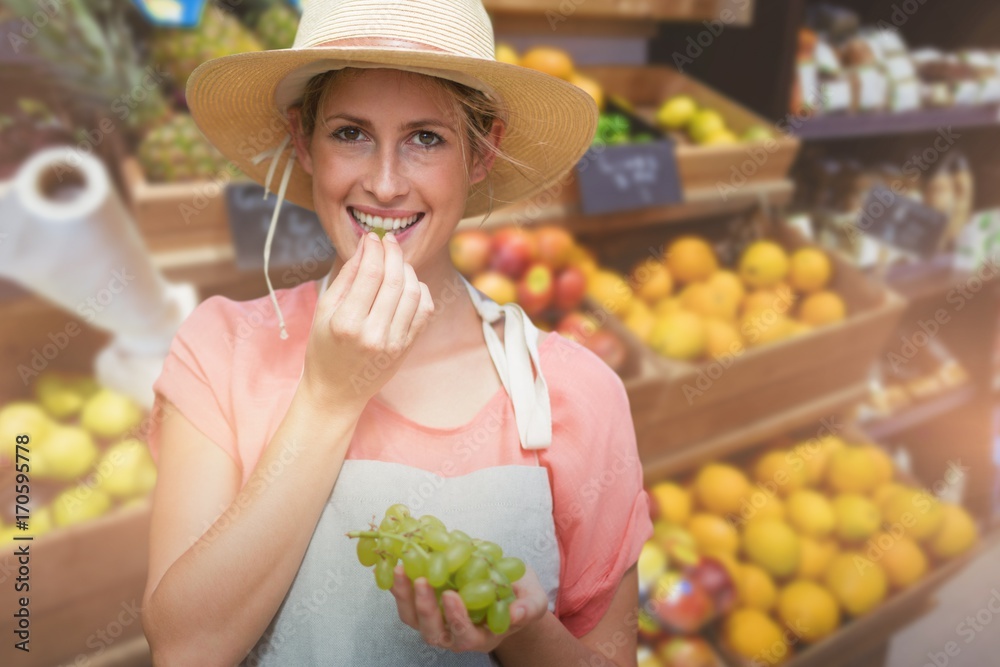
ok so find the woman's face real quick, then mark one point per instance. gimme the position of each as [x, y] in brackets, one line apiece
[390, 149]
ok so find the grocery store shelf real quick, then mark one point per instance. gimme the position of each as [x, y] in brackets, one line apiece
[770, 426]
[910, 122]
[919, 412]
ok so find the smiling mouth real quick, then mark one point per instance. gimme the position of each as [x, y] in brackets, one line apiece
[390, 225]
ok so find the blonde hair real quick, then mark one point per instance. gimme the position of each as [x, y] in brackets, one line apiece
[478, 114]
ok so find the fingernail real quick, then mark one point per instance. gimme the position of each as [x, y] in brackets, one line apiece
[391, 237]
[373, 236]
[517, 614]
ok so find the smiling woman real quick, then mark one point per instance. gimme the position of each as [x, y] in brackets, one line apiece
[394, 380]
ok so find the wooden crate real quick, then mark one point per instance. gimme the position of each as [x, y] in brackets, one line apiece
[702, 167]
[712, 405]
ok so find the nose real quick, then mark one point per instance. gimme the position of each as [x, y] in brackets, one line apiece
[385, 176]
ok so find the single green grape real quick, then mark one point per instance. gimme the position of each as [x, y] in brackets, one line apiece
[366, 551]
[510, 567]
[475, 568]
[414, 563]
[498, 617]
[436, 538]
[491, 550]
[437, 569]
[457, 554]
[384, 575]
[429, 521]
[408, 525]
[478, 594]
[502, 583]
[477, 616]
[390, 546]
[460, 536]
[380, 232]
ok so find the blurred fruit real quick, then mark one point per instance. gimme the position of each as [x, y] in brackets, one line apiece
[713, 533]
[690, 259]
[41, 521]
[69, 452]
[676, 542]
[651, 564]
[957, 534]
[59, 397]
[858, 518]
[673, 502]
[729, 285]
[108, 414]
[667, 306]
[23, 418]
[916, 510]
[809, 270]
[609, 347]
[815, 557]
[809, 609]
[496, 286]
[127, 469]
[753, 635]
[780, 469]
[649, 631]
[810, 513]
[757, 133]
[78, 504]
[880, 496]
[766, 328]
[903, 561]
[651, 280]
[577, 326]
[816, 453]
[512, 252]
[721, 138]
[756, 588]
[712, 574]
[589, 86]
[721, 338]
[881, 463]
[640, 320]
[850, 470]
[583, 259]
[773, 545]
[721, 488]
[676, 112]
[763, 265]
[858, 584]
[555, 245]
[535, 289]
[552, 61]
[610, 291]
[686, 652]
[570, 288]
[505, 53]
[175, 150]
[470, 251]
[680, 335]
[275, 26]
[681, 605]
[778, 300]
[704, 124]
[707, 301]
[766, 506]
[822, 308]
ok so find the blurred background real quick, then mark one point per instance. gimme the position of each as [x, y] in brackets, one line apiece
[783, 239]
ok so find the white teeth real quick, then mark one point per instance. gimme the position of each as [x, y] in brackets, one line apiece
[378, 222]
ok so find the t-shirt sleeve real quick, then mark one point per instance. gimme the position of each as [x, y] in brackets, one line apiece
[601, 509]
[197, 377]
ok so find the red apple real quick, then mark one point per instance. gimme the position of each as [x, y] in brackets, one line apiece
[535, 289]
[686, 652]
[608, 347]
[715, 579]
[682, 605]
[577, 326]
[496, 286]
[555, 246]
[513, 250]
[571, 286]
[470, 251]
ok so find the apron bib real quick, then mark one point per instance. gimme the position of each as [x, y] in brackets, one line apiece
[334, 614]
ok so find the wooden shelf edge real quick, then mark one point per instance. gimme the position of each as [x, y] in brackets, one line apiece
[767, 427]
[920, 412]
[822, 128]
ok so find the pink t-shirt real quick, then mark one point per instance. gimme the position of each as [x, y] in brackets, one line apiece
[230, 374]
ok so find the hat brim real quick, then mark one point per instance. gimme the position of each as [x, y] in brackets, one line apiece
[551, 123]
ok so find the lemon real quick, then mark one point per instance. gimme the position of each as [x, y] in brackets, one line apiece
[58, 396]
[882, 493]
[704, 124]
[773, 545]
[676, 112]
[809, 610]
[79, 504]
[753, 635]
[809, 270]
[652, 563]
[125, 469]
[956, 535]
[763, 264]
[68, 452]
[23, 418]
[755, 588]
[815, 558]
[673, 502]
[903, 561]
[720, 488]
[782, 469]
[916, 510]
[882, 463]
[713, 533]
[815, 454]
[108, 414]
[505, 53]
[850, 470]
[858, 518]
[810, 513]
[858, 584]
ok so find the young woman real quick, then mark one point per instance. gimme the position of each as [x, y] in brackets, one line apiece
[285, 422]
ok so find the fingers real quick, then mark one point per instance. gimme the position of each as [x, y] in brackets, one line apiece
[466, 636]
[337, 289]
[361, 295]
[424, 312]
[393, 281]
[430, 622]
[402, 590]
[409, 303]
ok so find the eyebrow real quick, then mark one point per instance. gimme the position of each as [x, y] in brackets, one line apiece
[412, 125]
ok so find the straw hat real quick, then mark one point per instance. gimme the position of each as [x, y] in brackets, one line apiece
[239, 100]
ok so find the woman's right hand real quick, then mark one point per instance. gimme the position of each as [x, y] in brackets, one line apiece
[365, 323]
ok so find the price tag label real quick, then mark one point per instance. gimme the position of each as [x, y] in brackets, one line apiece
[298, 236]
[902, 222]
[172, 13]
[628, 177]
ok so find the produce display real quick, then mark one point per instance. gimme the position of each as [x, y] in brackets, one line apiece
[448, 560]
[554, 62]
[83, 457]
[808, 534]
[688, 123]
[175, 150]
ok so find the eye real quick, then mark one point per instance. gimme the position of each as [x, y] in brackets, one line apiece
[426, 138]
[348, 133]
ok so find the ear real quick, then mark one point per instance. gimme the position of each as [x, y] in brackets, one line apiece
[483, 165]
[301, 142]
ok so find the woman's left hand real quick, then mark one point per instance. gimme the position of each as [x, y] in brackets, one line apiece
[418, 608]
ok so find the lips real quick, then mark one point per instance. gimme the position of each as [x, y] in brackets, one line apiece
[400, 227]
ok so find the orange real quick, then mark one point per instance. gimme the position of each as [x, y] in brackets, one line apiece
[773, 545]
[764, 264]
[721, 338]
[590, 87]
[781, 470]
[640, 320]
[851, 470]
[903, 561]
[956, 535]
[916, 510]
[651, 280]
[779, 299]
[552, 61]
[809, 608]
[713, 533]
[809, 270]
[721, 488]
[707, 301]
[881, 462]
[754, 636]
[690, 259]
[755, 588]
[610, 291]
[679, 335]
[729, 285]
[668, 306]
[858, 584]
[822, 308]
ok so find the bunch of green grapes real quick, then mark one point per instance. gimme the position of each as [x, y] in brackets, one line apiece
[449, 560]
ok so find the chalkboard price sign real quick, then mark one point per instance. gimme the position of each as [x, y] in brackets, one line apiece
[298, 236]
[902, 222]
[628, 177]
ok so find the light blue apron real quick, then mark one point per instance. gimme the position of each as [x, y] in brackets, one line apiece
[334, 614]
